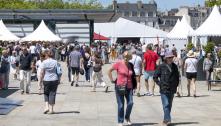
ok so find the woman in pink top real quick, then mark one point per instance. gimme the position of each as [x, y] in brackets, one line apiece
[124, 85]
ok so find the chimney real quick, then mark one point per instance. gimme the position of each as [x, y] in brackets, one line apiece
[139, 4]
[114, 4]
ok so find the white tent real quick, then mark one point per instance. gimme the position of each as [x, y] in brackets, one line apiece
[212, 25]
[5, 34]
[181, 30]
[179, 34]
[42, 33]
[124, 28]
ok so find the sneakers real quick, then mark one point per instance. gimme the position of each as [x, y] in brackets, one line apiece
[72, 83]
[106, 89]
[194, 96]
[22, 92]
[178, 94]
[128, 122]
[76, 85]
[138, 94]
[166, 123]
[149, 94]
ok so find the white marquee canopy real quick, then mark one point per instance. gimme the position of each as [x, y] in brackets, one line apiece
[42, 33]
[5, 34]
[181, 30]
[212, 25]
[124, 28]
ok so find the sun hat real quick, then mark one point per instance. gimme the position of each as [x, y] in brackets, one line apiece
[191, 54]
[169, 54]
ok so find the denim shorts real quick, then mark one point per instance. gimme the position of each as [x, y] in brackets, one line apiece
[148, 75]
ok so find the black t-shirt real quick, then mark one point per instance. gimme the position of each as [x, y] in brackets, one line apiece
[25, 62]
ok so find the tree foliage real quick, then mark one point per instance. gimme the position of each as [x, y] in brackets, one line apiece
[211, 3]
[209, 47]
[190, 46]
[50, 4]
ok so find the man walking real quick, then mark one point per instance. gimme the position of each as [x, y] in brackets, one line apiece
[75, 62]
[167, 77]
[25, 71]
[149, 63]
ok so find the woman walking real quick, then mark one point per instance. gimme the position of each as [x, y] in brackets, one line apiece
[124, 86]
[38, 67]
[50, 80]
[97, 75]
[207, 66]
[178, 62]
[13, 63]
[5, 69]
[87, 63]
[191, 72]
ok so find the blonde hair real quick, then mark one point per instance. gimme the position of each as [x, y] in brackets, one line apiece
[127, 55]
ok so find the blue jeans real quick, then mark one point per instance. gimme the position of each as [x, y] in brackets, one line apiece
[69, 73]
[120, 103]
[167, 100]
[87, 73]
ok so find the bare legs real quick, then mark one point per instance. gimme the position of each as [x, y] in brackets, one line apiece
[150, 85]
[191, 82]
[49, 108]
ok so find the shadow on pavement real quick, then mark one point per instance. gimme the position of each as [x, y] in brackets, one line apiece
[217, 90]
[198, 96]
[35, 93]
[183, 123]
[6, 93]
[67, 112]
[143, 124]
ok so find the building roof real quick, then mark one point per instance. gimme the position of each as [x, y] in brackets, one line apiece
[58, 14]
[135, 7]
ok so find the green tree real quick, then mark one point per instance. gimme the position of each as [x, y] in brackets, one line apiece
[50, 4]
[209, 47]
[190, 46]
[211, 3]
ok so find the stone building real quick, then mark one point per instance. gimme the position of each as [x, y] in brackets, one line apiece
[144, 13]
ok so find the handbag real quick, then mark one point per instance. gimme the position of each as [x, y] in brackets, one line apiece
[210, 69]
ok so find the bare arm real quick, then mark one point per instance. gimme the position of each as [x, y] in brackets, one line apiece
[42, 74]
[110, 74]
[144, 64]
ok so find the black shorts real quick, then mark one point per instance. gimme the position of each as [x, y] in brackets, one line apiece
[191, 75]
[75, 70]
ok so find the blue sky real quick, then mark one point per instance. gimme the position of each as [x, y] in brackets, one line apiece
[163, 4]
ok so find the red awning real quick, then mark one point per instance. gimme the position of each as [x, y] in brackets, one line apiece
[100, 37]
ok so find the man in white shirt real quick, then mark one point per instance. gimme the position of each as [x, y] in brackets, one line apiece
[32, 49]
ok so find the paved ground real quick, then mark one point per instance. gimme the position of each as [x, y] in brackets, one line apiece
[78, 106]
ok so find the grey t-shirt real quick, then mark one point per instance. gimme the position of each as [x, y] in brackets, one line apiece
[74, 59]
[50, 68]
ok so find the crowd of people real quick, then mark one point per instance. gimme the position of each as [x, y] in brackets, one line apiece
[159, 64]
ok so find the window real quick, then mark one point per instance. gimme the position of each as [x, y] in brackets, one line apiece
[142, 14]
[126, 14]
[134, 14]
[150, 14]
[167, 22]
[196, 15]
